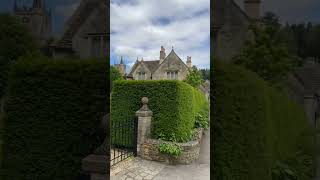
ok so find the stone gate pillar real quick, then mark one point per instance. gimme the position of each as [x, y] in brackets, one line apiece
[144, 115]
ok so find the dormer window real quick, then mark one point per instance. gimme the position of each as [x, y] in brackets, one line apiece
[141, 76]
[172, 75]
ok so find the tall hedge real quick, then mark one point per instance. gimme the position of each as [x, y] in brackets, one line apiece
[53, 111]
[255, 128]
[174, 104]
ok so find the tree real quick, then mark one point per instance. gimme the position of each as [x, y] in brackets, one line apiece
[115, 74]
[194, 77]
[267, 56]
[205, 73]
[15, 41]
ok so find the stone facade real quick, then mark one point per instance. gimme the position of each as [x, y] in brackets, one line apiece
[121, 67]
[37, 19]
[304, 88]
[86, 34]
[190, 151]
[230, 26]
[168, 67]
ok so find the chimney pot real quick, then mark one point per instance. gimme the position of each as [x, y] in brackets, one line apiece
[162, 54]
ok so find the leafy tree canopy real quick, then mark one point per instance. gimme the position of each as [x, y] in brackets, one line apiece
[115, 74]
[266, 54]
[15, 42]
[15, 39]
[194, 77]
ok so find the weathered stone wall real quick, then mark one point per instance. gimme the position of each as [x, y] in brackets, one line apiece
[233, 31]
[172, 65]
[85, 47]
[190, 151]
[141, 68]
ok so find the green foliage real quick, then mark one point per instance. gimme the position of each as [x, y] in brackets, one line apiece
[205, 74]
[194, 77]
[15, 41]
[54, 112]
[202, 119]
[255, 127]
[115, 74]
[282, 171]
[174, 105]
[169, 148]
[267, 56]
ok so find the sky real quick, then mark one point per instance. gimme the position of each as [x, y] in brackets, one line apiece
[140, 27]
[292, 11]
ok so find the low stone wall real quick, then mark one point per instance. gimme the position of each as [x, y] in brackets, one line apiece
[190, 150]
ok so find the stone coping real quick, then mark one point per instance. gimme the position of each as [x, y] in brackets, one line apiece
[190, 150]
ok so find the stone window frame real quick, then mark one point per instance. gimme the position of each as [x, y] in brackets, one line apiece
[172, 75]
[141, 75]
[101, 50]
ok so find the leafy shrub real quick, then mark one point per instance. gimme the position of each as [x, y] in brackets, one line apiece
[282, 171]
[194, 77]
[54, 112]
[255, 126]
[15, 41]
[174, 105]
[172, 149]
[202, 119]
[115, 74]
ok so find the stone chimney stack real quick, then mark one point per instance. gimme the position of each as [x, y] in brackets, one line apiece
[189, 62]
[253, 8]
[162, 54]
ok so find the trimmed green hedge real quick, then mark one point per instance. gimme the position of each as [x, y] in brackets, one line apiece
[255, 128]
[54, 112]
[174, 104]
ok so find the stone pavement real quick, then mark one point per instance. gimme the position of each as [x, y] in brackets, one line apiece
[140, 169]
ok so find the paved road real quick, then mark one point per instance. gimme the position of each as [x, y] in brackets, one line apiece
[140, 169]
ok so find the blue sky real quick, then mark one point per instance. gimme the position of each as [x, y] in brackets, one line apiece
[140, 27]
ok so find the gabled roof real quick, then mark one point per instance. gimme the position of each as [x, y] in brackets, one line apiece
[151, 65]
[171, 55]
[309, 77]
[226, 9]
[79, 17]
[155, 64]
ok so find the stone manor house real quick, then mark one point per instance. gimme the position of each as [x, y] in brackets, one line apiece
[230, 26]
[167, 67]
[36, 18]
[86, 32]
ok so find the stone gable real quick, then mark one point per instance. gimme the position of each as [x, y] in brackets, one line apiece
[172, 67]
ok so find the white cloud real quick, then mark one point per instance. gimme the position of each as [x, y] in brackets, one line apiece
[139, 29]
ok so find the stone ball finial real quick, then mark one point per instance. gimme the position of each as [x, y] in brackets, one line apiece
[144, 100]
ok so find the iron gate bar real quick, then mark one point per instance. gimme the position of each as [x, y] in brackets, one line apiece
[123, 140]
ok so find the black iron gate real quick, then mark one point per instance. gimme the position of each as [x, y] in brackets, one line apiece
[123, 140]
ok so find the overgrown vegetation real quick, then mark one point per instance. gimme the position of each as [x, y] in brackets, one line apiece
[115, 74]
[170, 148]
[54, 111]
[267, 54]
[202, 119]
[15, 42]
[258, 133]
[194, 77]
[174, 105]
